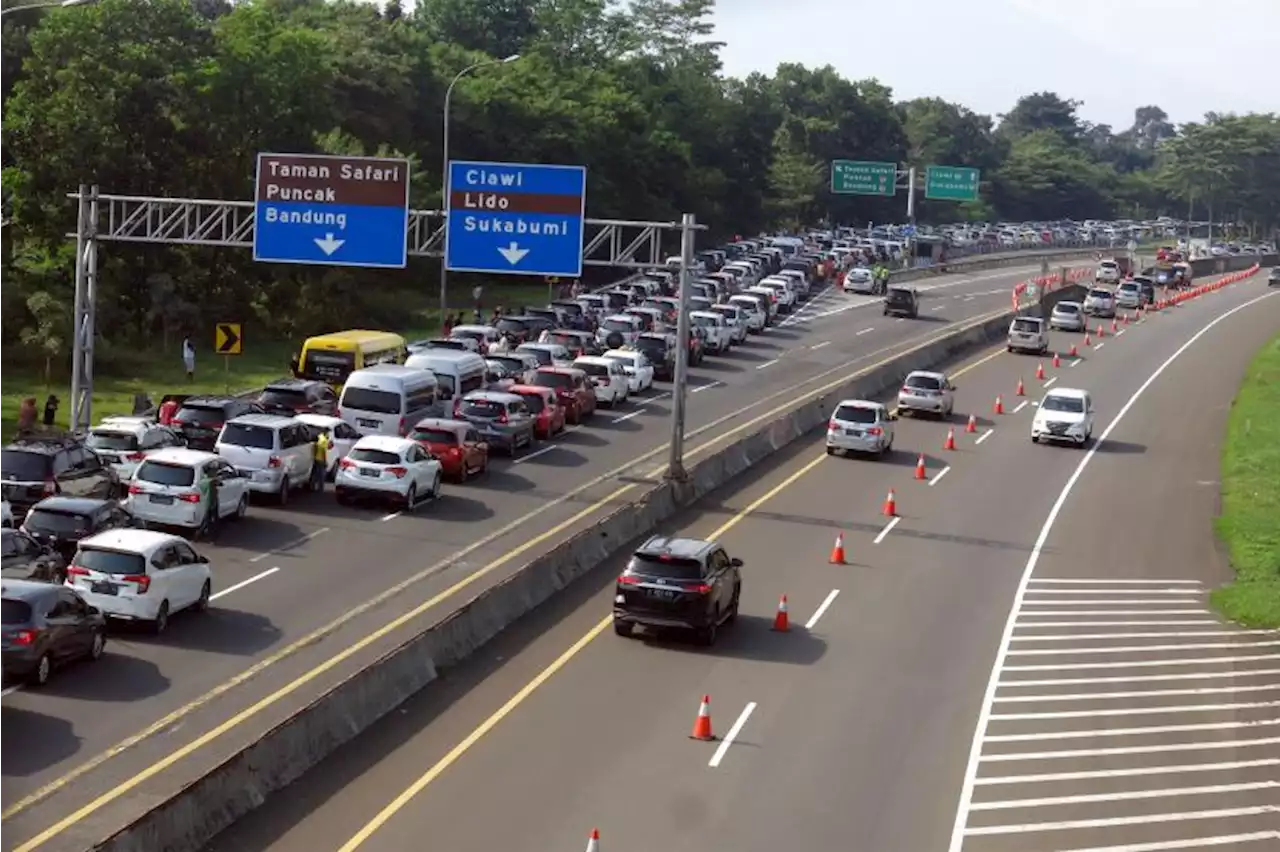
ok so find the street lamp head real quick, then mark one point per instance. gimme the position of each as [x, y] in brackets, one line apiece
[67, 3]
[512, 58]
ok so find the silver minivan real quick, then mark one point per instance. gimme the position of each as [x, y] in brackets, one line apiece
[387, 399]
[457, 374]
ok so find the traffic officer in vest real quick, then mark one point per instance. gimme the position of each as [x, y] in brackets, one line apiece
[320, 461]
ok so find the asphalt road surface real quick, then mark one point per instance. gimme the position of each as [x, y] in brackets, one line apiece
[1073, 578]
[307, 594]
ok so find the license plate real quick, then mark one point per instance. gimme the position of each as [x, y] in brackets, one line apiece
[368, 424]
[857, 433]
[104, 588]
[368, 471]
[662, 594]
[162, 499]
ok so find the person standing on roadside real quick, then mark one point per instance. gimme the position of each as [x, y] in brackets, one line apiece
[189, 358]
[320, 462]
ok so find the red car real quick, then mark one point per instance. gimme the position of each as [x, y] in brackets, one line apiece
[572, 389]
[456, 444]
[544, 405]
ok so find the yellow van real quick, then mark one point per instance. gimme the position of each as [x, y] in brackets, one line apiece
[332, 357]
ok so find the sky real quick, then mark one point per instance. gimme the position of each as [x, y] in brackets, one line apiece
[1188, 57]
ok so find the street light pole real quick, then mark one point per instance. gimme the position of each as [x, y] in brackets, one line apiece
[444, 170]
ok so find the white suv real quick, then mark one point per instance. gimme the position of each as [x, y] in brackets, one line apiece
[1064, 414]
[1028, 334]
[719, 335]
[1100, 303]
[608, 378]
[275, 453]
[1108, 271]
[176, 488]
[123, 442]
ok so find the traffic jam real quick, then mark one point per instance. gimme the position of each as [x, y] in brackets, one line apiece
[108, 527]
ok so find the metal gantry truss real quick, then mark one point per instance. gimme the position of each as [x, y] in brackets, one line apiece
[229, 224]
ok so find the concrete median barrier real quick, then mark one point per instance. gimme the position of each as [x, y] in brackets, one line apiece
[244, 781]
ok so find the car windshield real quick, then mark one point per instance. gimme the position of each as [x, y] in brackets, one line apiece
[924, 382]
[248, 435]
[376, 401]
[705, 322]
[511, 326]
[165, 474]
[855, 414]
[200, 415]
[469, 333]
[543, 355]
[593, 369]
[103, 440]
[56, 523]
[110, 561]
[653, 344]
[552, 380]
[1067, 308]
[617, 325]
[1027, 325]
[287, 397]
[16, 465]
[1100, 294]
[365, 454]
[1129, 286]
[624, 360]
[1070, 404]
[564, 339]
[727, 310]
[534, 402]
[13, 611]
[898, 296]
[486, 409]
[435, 436]
[669, 567]
[328, 366]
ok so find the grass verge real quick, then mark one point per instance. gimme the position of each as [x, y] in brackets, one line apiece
[1250, 521]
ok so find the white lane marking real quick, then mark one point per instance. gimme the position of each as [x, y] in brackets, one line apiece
[864, 331]
[1145, 819]
[1071, 581]
[738, 725]
[1121, 331]
[535, 454]
[1075, 362]
[1090, 733]
[1054, 697]
[1099, 346]
[766, 364]
[10, 690]
[706, 387]
[959, 828]
[390, 516]
[1021, 406]
[1144, 664]
[822, 608]
[255, 578]
[1115, 591]
[1136, 771]
[1130, 794]
[1159, 622]
[1050, 382]
[1104, 602]
[937, 308]
[1071, 754]
[1140, 649]
[1134, 711]
[901, 319]
[1072, 637]
[626, 417]
[1189, 843]
[290, 546]
[888, 528]
[1084, 681]
[984, 436]
[820, 345]
[939, 475]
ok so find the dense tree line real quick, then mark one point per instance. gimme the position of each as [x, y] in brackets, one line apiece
[175, 97]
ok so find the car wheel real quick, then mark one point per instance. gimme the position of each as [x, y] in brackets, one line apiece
[342, 498]
[161, 621]
[98, 646]
[831, 451]
[733, 607]
[623, 628]
[707, 635]
[411, 498]
[1035, 439]
[206, 591]
[435, 487]
[283, 496]
[40, 674]
[242, 508]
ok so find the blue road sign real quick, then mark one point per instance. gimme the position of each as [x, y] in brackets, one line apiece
[908, 230]
[331, 211]
[515, 218]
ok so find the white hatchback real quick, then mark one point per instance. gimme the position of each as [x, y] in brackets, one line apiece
[637, 367]
[608, 379]
[140, 575]
[388, 467]
[175, 488]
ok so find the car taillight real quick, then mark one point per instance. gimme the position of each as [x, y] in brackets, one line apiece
[398, 472]
[50, 486]
[455, 451]
[602, 381]
[142, 580]
[275, 461]
[346, 464]
[135, 489]
[906, 389]
[629, 580]
[502, 418]
[457, 409]
[24, 637]
[404, 426]
[176, 422]
[77, 571]
[193, 497]
[832, 424]
[699, 589]
[337, 411]
[875, 430]
[135, 457]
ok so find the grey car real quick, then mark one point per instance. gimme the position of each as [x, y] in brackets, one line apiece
[927, 392]
[1067, 316]
[502, 419]
[860, 426]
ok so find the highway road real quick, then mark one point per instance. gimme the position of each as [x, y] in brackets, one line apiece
[309, 593]
[1072, 578]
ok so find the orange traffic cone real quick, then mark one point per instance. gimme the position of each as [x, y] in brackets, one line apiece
[1057, 362]
[593, 842]
[949, 444]
[920, 473]
[890, 505]
[1087, 341]
[998, 408]
[1021, 391]
[1114, 328]
[702, 724]
[1102, 332]
[972, 425]
[837, 552]
[1126, 317]
[1073, 352]
[780, 621]
[1040, 372]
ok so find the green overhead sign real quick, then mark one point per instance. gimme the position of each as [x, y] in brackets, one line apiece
[951, 183]
[858, 177]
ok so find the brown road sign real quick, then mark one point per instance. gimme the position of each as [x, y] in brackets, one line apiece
[322, 179]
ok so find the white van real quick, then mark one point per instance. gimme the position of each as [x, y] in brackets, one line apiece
[457, 374]
[387, 399]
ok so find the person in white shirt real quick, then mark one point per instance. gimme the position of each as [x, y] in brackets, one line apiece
[189, 358]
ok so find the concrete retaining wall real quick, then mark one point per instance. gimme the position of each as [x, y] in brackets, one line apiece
[244, 781]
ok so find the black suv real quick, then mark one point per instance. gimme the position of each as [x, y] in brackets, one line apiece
[657, 348]
[25, 558]
[40, 466]
[901, 301]
[1273, 279]
[294, 396]
[200, 418]
[60, 522]
[685, 583]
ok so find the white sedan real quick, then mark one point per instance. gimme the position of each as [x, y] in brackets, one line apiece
[860, 280]
[637, 367]
[388, 467]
